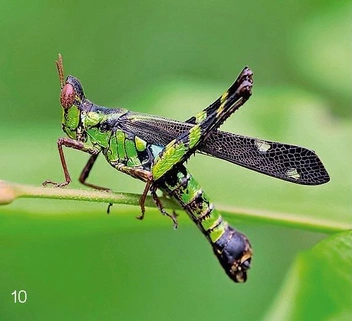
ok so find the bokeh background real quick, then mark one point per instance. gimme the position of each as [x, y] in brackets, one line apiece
[172, 59]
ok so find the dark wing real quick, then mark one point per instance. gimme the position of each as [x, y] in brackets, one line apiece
[287, 162]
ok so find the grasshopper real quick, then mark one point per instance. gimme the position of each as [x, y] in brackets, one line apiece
[154, 150]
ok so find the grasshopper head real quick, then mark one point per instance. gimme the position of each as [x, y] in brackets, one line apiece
[71, 99]
[71, 93]
[234, 253]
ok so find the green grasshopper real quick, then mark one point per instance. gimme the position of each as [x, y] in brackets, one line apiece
[154, 150]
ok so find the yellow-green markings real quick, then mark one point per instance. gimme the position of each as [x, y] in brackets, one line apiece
[175, 152]
[112, 154]
[132, 156]
[98, 136]
[93, 118]
[195, 134]
[120, 138]
[201, 116]
[223, 101]
[70, 120]
[168, 159]
[140, 144]
[194, 200]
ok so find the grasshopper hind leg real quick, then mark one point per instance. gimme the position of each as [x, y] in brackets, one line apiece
[86, 171]
[145, 176]
[158, 203]
[149, 187]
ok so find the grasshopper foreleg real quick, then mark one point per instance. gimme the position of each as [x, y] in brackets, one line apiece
[71, 143]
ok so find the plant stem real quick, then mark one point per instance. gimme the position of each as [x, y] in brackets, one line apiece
[10, 191]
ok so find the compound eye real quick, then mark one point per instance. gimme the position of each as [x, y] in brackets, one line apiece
[67, 96]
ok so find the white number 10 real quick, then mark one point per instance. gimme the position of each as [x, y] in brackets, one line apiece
[19, 296]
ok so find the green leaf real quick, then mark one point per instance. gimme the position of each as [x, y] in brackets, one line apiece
[319, 284]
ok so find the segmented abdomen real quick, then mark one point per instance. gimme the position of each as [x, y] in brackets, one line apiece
[231, 247]
[181, 185]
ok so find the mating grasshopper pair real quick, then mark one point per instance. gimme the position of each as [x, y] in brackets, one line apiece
[154, 150]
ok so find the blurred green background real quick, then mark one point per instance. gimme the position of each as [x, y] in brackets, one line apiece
[172, 59]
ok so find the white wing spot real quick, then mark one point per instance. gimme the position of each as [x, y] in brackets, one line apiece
[292, 173]
[262, 145]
